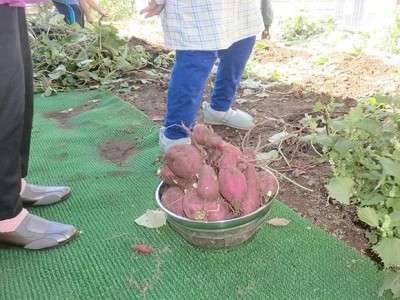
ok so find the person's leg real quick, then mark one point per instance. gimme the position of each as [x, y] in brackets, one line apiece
[18, 228]
[79, 16]
[12, 90]
[185, 91]
[230, 70]
[66, 11]
[32, 194]
[72, 13]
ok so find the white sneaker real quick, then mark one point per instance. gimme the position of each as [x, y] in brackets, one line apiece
[166, 143]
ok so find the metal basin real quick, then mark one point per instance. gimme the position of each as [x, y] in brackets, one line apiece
[217, 234]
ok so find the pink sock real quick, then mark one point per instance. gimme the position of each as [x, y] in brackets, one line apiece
[9, 225]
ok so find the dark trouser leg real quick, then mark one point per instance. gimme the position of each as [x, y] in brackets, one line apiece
[28, 80]
[230, 70]
[12, 102]
[185, 91]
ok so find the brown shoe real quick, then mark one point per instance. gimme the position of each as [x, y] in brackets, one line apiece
[35, 233]
[44, 195]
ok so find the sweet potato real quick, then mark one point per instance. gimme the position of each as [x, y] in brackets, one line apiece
[267, 184]
[252, 198]
[166, 175]
[232, 185]
[202, 134]
[172, 199]
[218, 209]
[194, 206]
[207, 186]
[141, 249]
[230, 156]
[184, 160]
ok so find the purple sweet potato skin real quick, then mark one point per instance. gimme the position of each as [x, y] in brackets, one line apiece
[184, 160]
[166, 175]
[232, 185]
[217, 210]
[193, 206]
[252, 198]
[172, 199]
[267, 184]
[207, 185]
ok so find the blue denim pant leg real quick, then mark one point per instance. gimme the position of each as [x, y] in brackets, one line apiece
[230, 71]
[185, 90]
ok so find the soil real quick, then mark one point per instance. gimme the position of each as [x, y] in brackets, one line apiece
[276, 106]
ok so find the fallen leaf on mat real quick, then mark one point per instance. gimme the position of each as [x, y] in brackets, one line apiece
[278, 222]
[152, 219]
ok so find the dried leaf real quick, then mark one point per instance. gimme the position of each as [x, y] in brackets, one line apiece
[152, 219]
[278, 222]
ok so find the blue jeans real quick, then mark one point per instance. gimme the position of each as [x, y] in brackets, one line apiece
[72, 13]
[188, 79]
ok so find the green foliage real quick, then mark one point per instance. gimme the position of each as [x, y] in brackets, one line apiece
[363, 149]
[275, 76]
[302, 28]
[321, 61]
[66, 57]
[392, 43]
[117, 10]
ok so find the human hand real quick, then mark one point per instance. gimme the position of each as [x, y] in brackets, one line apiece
[89, 19]
[152, 9]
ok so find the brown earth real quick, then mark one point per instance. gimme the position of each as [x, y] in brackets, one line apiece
[279, 106]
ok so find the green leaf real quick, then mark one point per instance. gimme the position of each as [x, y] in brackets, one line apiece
[324, 140]
[374, 199]
[340, 189]
[343, 145]
[391, 282]
[394, 219]
[369, 216]
[393, 203]
[390, 167]
[369, 125]
[388, 250]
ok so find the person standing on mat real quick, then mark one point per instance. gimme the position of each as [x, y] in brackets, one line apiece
[19, 228]
[201, 32]
[75, 11]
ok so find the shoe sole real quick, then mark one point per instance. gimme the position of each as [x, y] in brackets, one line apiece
[224, 124]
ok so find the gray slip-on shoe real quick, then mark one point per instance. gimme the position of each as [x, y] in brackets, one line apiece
[44, 195]
[35, 233]
[233, 118]
[165, 145]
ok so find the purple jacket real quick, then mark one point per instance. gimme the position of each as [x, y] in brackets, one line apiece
[20, 3]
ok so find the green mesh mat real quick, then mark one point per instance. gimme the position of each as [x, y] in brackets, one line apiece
[299, 261]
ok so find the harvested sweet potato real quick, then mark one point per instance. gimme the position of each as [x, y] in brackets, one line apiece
[232, 185]
[172, 199]
[218, 209]
[145, 249]
[166, 175]
[207, 186]
[194, 206]
[202, 134]
[252, 198]
[184, 160]
[267, 184]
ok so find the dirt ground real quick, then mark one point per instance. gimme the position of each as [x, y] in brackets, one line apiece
[277, 106]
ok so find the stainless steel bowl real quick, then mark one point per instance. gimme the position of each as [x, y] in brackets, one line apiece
[217, 234]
